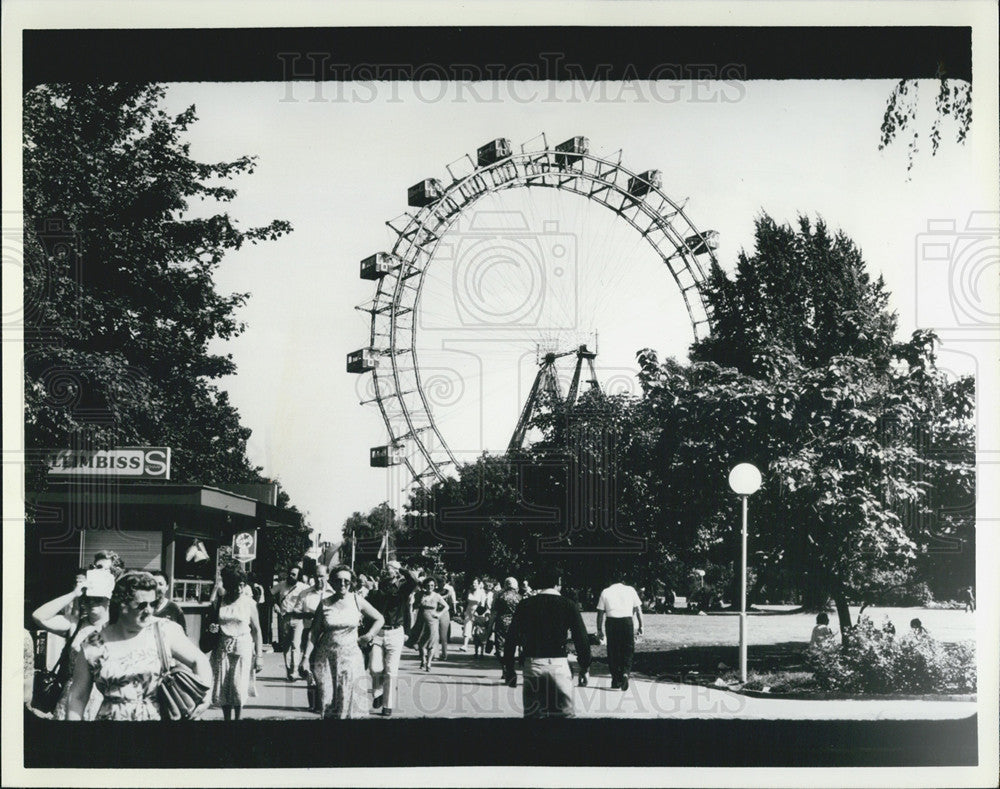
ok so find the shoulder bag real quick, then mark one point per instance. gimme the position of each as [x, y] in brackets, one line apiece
[49, 685]
[179, 692]
[207, 640]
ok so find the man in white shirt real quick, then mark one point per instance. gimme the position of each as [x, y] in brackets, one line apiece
[285, 595]
[618, 604]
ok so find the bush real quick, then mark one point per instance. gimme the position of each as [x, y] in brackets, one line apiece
[898, 589]
[873, 660]
[916, 594]
[960, 665]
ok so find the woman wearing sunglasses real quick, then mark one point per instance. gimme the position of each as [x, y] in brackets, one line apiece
[123, 661]
[334, 647]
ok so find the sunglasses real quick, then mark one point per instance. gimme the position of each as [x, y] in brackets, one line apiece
[341, 581]
[135, 606]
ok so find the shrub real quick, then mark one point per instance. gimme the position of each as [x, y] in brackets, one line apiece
[914, 595]
[960, 666]
[873, 660]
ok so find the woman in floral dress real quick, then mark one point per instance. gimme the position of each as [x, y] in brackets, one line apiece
[122, 660]
[333, 648]
[503, 612]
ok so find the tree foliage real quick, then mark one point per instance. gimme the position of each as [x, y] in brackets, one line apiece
[803, 289]
[120, 302]
[367, 530]
[953, 100]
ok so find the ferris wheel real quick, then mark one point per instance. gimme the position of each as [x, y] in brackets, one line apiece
[398, 388]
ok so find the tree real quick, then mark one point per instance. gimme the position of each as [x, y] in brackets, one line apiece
[367, 529]
[482, 518]
[580, 498]
[280, 547]
[120, 303]
[801, 376]
[805, 290]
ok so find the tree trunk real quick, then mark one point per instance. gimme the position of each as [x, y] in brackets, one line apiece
[843, 614]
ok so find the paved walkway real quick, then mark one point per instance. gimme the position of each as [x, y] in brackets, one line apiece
[466, 686]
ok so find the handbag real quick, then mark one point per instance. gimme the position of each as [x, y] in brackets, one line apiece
[207, 640]
[179, 692]
[49, 685]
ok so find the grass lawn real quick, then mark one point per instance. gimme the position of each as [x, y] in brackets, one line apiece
[690, 646]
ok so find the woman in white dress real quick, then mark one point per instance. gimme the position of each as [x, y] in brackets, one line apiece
[239, 646]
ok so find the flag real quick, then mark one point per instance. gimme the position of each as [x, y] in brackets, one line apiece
[383, 546]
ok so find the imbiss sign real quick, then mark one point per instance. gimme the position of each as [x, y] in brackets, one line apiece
[133, 462]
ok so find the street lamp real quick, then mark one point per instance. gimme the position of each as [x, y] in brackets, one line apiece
[744, 479]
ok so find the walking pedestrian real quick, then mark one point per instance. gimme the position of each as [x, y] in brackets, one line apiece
[970, 599]
[306, 604]
[492, 589]
[123, 660]
[290, 631]
[392, 599]
[542, 623]
[334, 647]
[444, 621]
[504, 606]
[75, 623]
[239, 648]
[475, 597]
[619, 604]
[429, 605]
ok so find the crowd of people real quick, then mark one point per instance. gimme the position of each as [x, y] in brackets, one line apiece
[342, 633]
[403, 607]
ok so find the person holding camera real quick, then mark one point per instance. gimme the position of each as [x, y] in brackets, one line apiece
[91, 601]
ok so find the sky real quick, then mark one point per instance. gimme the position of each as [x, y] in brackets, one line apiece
[335, 160]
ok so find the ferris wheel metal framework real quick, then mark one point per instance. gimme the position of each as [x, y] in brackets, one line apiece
[415, 440]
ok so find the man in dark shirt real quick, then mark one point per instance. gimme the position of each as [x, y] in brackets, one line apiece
[541, 623]
[391, 599]
[165, 608]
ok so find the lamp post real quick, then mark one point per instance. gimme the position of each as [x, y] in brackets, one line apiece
[744, 479]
